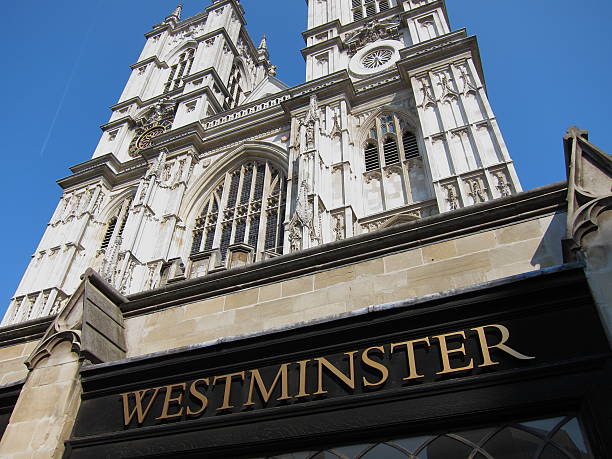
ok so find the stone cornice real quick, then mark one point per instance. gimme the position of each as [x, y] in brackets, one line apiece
[335, 24]
[461, 222]
[118, 122]
[148, 60]
[237, 6]
[107, 168]
[334, 41]
[24, 331]
[428, 7]
[429, 52]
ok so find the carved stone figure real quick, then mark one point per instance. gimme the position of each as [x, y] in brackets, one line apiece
[451, 197]
[477, 191]
[310, 135]
[295, 238]
[339, 227]
[502, 184]
[371, 32]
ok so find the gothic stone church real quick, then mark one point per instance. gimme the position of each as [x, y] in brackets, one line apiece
[347, 268]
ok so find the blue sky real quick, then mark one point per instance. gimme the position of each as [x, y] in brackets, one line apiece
[547, 65]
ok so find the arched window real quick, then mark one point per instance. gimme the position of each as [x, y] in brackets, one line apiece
[180, 70]
[235, 89]
[391, 143]
[248, 207]
[119, 217]
[366, 8]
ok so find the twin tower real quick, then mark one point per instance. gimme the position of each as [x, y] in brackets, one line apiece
[210, 162]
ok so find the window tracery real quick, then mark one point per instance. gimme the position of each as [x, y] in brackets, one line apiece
[180, 70]
[390, 145]
[116, 224]
[246, 207]
[234, 88]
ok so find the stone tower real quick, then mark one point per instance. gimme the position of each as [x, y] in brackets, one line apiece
[209, 162]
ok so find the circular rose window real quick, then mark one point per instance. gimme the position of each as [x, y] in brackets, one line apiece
[377, 58]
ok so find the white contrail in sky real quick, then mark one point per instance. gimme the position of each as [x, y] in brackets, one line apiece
[71, 78]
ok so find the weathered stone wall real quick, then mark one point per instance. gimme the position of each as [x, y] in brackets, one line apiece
[455, 263]
[45, 412]
[11, 362]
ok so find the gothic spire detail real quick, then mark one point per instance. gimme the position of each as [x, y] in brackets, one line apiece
[176, 14]
[264, 43]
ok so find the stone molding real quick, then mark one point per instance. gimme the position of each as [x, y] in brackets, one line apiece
[589, 172]
[90, 321]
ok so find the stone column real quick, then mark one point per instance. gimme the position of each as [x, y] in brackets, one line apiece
[589, 214]
[88, 329]
[47, 407]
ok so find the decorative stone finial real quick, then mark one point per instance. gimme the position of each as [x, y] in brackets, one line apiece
[176, 14]
[264, 42]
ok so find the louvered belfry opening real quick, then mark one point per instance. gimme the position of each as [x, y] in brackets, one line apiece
[366, 8]
[411, 146]
[120, 216]
[248, 206]
[389, 151]
[180, 70]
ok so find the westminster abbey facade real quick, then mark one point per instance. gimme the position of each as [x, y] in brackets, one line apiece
[347, 268]
[209, 161]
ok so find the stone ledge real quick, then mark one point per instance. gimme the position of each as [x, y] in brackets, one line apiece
[461, 222]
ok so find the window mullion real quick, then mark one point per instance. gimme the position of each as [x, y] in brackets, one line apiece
[222, 204]
[263, 216]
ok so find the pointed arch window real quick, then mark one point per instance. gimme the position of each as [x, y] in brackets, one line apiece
[367, 8]
[116, 224]
[235, 89]
[246, 207]
[390, 144]
[180, 70]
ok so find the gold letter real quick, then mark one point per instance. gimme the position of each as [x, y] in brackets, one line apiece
[169, 399]
[138, 397]
[410, 356]
[302, 389]
[199, 395]
[266, 394]
[445, 352]
[374, 364]
[485, 346]
[348, 380]
[228, 388]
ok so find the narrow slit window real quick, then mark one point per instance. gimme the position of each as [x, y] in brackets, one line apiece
[411, 146]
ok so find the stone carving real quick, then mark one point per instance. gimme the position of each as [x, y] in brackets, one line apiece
[468, 85]
[503, 186]
[451, 197]
[74, 325]
[589, 172]
[156, 121]
[338, 227]
[311, 119]
[336, 130]
[428, 96]
[371, 32]
[444, 81]
[110, 261]
[310, 135]
[477, 191]
[295, 237]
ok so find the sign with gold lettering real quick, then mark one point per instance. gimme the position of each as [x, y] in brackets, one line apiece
[393, 364]
[516, 348]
